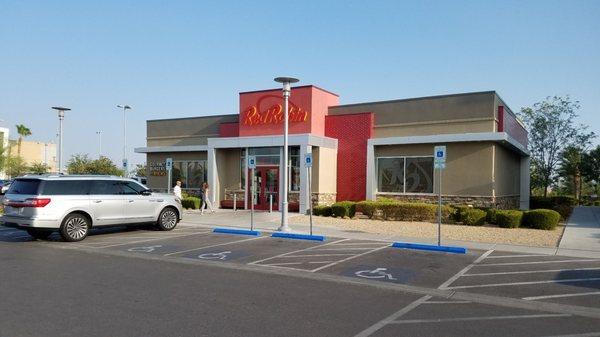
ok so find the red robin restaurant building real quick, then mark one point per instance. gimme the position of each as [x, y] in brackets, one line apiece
[360, 151]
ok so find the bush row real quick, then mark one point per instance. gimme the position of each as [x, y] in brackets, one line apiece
[561, 204]
[191, 203]
[469, 216]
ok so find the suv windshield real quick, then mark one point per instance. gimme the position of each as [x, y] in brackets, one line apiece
[24, 186]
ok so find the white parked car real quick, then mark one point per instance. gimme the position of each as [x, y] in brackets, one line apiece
[74, 204]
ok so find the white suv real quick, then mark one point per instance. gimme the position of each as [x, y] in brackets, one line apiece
[74, 204]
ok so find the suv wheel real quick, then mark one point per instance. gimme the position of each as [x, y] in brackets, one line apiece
[39, 233]
[75, 227]
[167, 220]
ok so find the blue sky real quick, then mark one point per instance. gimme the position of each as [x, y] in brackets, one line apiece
[191, 58]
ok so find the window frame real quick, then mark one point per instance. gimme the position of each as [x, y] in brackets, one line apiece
[434, 179]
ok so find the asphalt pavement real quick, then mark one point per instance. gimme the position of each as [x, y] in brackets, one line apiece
[193, 282]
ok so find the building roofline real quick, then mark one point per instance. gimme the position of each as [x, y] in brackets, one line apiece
[414, 99]
[194, 117]
[297, 87]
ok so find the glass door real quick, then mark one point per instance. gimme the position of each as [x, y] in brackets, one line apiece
[266, 186]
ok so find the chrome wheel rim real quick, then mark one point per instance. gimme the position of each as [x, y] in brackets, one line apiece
[168, 219]
[77, 228]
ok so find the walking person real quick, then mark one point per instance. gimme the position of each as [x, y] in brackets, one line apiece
[177, 190]
[206, 203]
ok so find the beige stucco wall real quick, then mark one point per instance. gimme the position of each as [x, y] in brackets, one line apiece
[160, 182]
[507, 169]
[324, 176]
[228, 166]
[185, 131]
[468, 166]
[462, 113]
[36, 152]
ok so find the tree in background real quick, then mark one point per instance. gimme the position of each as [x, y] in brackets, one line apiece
[23, 131]
[39, 168]
[570, 169]
[140, 170]
[590, 167]
[15, 166]
[3, 157]
[82, 164]
[551, 129]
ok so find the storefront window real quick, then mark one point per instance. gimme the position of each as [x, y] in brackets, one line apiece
[191, 173]
[294, 168]
[419, 175]
[390, 175]
[405, 175]
[243, 168]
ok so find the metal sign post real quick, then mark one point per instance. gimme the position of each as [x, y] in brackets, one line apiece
[252, 166]
[169, 167]
[308, 164]
[439, 155]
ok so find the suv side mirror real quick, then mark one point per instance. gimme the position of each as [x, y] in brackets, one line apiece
[146, 192]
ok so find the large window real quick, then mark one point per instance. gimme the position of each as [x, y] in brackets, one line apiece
[405, 174]
[191, 173]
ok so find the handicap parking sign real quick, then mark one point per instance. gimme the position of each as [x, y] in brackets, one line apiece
[308, 160]
[439, 154]
[251, 162]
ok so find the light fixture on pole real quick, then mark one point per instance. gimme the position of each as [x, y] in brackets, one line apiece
[61, 116]
[99, 133]
[125, 108]
[286, 81]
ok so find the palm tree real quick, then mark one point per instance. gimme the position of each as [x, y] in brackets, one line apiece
[23, 131]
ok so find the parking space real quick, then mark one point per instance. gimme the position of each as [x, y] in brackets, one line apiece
[429, 316]
[559, 279]
[530, 277]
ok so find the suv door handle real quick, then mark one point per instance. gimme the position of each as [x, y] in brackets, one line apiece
[97, 201]
[130, 200]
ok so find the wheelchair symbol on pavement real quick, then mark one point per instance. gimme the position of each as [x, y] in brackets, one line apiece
[214, 256]
[148, 249]
[376, 273]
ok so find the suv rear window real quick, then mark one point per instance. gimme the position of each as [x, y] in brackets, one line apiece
[66, 187]
[24, 186]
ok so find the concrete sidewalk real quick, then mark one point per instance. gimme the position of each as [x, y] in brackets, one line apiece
[583, 231]
[265, 221]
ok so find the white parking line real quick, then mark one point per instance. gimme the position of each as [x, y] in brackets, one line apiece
[481, 318]
[215, 245]
[154, 239]
[363, 243]
[532, 298]
[509, 256]
[464, 270]
[530, 271]
[538, 262]
[393, 317]
[447, 302]
[348, 259]
[320, 255]
[343, 249]
[525, 283]
[297, 251]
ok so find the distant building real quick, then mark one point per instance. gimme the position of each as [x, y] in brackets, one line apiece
[35, 152]
[360, 151]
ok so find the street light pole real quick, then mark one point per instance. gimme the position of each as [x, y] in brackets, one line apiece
[99, 133]
[286, 81]
[125, 163]
[61, 116]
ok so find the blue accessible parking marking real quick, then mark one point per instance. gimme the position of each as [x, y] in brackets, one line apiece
[222, 254]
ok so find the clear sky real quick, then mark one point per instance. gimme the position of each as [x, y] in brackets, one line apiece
[191, 58]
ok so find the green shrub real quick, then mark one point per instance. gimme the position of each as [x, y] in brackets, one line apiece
[322, 210]
[509, 218]
[596, 203]
[344, 209]
[490, 216]
[459, 210]
[561, 204]
[415, 212]
[541, 219]
[191, 202]
[367, 207]
[472, 217]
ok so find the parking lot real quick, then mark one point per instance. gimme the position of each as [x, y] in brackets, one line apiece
[523, 278]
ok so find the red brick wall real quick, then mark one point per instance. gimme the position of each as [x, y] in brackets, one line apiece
[229, 130]
[352, 132]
